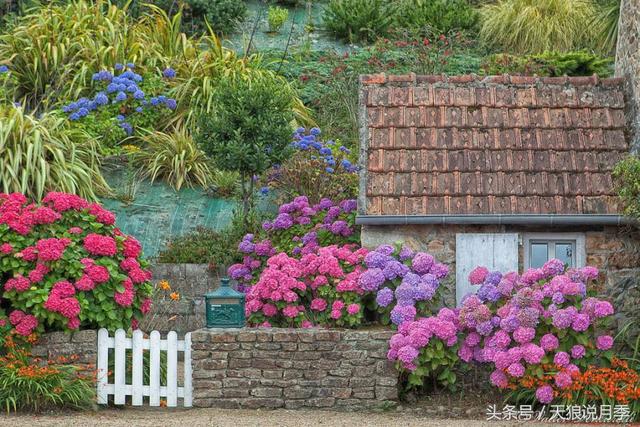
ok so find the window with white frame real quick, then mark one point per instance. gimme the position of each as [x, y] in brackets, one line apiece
[541, 247]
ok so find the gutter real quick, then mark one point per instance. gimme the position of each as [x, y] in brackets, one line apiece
[540, 219]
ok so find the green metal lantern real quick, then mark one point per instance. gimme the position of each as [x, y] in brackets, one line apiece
[225, 307]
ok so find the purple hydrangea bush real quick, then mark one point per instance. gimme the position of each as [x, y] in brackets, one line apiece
[300, 228]
[543, 322]
[406, 283]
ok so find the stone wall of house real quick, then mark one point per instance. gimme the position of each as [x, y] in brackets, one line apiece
[614, 250]
[191, 282]
[81, 346]
[293, 368]
[628, 65]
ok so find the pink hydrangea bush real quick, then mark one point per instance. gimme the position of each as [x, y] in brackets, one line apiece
[64, 264]
[522, 324]
[427, 348]
[299, 229]
[406, 283]
[320, 288]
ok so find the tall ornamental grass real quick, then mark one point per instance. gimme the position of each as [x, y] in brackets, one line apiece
[535, 26]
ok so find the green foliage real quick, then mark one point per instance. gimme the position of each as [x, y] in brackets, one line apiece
[535, 26]
[359, 20]
[222, 15]
[208, 246]
[225, 183]
[607, 18]
[627, 182]
[327, 81]
[551, 64]
[626, 294]
[276, 17]
[173, 157]
[43, 154]
[437, 364]
[304, 174]
[25, 386]
[437, 16]
[250, 131]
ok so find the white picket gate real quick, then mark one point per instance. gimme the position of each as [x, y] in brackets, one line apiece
[137, 389]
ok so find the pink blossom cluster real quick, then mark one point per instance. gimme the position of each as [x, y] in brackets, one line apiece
[319, 288]
[297, 230]
[414, 335]
[62, 300]
[73, 265]
[515, 323]
[24, 323]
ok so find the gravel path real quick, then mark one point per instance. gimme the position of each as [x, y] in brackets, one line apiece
[239, 418]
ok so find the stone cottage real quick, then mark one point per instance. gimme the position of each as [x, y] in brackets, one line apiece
[503, 171]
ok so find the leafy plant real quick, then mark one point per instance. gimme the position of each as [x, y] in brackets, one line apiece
[276, 17]
[249, 132]
[627, 182]
[552, 64]
[434, 17]
[173, 157]
[222, 15]
[607, 17]
[536, 26]
[25, 384]
[225, 183]
[359, 20]
[45, 153]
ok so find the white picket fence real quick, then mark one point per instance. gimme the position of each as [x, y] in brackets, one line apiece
[137, 389]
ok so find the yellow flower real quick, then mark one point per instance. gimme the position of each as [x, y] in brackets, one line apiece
[174, 296]
[164, 285]
[130, 148]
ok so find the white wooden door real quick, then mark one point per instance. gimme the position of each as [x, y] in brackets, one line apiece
[496, 251]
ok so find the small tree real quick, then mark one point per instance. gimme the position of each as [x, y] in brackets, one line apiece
[250, 130]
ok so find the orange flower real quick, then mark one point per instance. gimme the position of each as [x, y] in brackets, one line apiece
[174, 296]
[163, 403]
[164, 285]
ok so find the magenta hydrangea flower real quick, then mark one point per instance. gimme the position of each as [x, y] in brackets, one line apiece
[563, 379]
[422, 262]
[549, 342]
[477, 275]
[524, 335]
[498, 379]
[577, 351]
[561, 358]
[604, 342]
[544, 394]
[580, 323]
[516, 370]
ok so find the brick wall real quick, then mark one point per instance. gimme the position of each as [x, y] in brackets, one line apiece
[83, 344]
[292, 368]
[614, 250]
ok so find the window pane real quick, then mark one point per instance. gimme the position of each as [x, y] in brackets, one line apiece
[564, 252]
[539, 255]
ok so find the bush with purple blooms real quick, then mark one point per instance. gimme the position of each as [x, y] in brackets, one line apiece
[318, 169]
[124, 102]
[300, 228]
[541, 324]
[406, 283]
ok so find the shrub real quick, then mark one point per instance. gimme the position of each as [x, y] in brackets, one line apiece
[321, 288]
[225, 183]
[65, 265]
[299, 229]
[323, 170]
[122, 103]
[276, 17]
[406, 283]
[627, 183]
[540, 323]
[437, 17]
[607, 18]
[221, 15]
[45, 153]
[551, 64]
[359, 20]
[175, 158]
[27, 384]
[536, 26]
[249, 132]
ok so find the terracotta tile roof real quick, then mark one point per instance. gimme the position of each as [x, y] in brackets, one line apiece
[496, 145]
